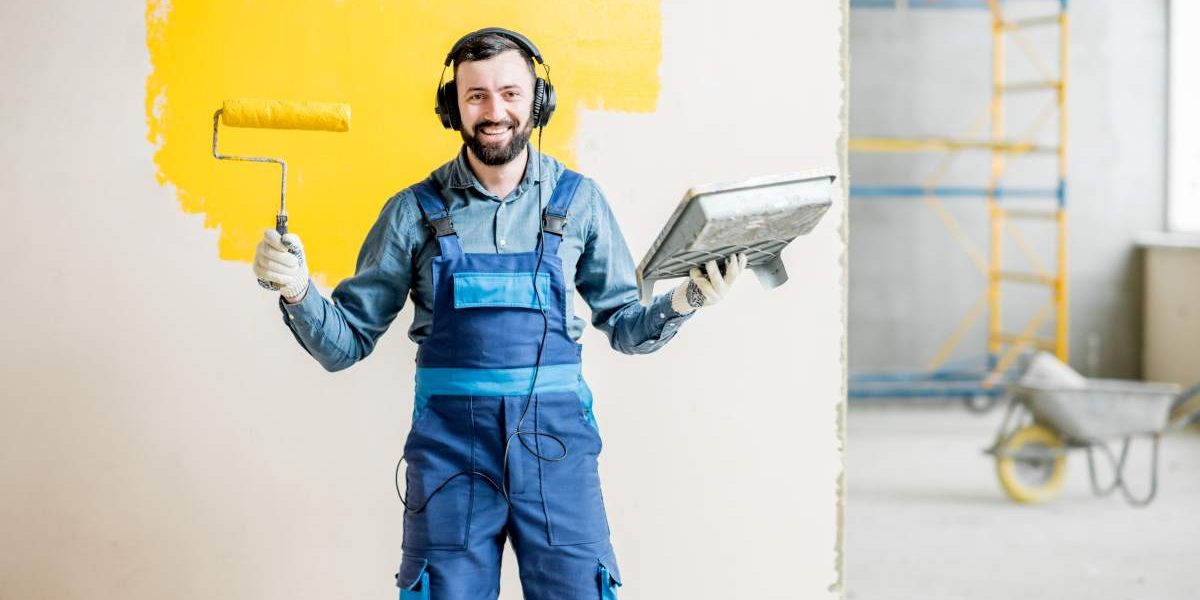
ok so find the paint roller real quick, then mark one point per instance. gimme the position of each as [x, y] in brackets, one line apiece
[278, 114]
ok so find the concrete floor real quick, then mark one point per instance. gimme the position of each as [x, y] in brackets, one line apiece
[926, 518]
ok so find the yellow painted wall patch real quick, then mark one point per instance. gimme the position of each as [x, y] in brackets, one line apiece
[382, 58]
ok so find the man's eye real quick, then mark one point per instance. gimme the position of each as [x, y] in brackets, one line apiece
[475, 97]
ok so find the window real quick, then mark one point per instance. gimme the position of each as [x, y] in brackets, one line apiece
[1183, 117]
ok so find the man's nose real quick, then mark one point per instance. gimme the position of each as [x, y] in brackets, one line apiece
[494, 109]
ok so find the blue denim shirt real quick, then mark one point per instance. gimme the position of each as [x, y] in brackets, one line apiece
[396, 257]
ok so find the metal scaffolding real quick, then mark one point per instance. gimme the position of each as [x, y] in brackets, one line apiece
[1003, 346]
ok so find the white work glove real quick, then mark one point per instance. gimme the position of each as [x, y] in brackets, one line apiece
[279, 262]
[709, 288]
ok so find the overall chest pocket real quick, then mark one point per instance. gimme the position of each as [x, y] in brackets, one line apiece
[501, 290]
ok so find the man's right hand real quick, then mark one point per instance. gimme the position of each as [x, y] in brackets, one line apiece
[280, 260]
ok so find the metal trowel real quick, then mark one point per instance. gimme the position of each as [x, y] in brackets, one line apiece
[759, 217]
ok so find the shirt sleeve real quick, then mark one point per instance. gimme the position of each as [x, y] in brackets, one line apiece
[343, 331]
[606, 280]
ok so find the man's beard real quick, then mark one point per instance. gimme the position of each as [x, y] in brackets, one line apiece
[495, 155]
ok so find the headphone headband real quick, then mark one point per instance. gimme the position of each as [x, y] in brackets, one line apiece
[517, 38]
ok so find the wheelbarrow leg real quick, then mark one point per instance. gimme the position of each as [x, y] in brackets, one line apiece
[1153, 474]
[1112, 485]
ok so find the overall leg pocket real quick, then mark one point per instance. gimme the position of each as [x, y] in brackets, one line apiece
[439, 486]
[413, 579]
[570, 487]
[609, 577]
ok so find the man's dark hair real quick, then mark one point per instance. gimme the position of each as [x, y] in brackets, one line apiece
[485, 46]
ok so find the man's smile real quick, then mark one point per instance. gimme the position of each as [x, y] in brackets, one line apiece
[496, 132]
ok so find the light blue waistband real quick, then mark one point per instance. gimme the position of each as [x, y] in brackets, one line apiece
[496, 382]
[432, 381]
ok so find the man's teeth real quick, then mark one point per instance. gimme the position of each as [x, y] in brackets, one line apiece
[495, 131]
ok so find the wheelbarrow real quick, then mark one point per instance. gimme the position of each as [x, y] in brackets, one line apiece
[1043, 422]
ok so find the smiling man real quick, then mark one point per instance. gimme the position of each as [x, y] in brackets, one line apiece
[490, 142]
[492, 248]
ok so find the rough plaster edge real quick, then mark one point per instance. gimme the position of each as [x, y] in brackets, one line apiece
[839, 586]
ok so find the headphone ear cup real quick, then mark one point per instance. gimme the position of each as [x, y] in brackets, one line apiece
[447, 106]
[440, 107]
[539, 95]
[544, 102]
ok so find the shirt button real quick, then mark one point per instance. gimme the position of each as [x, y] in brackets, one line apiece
[503, 242]
[662, 315]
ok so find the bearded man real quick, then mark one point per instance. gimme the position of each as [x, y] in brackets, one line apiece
[492, 248]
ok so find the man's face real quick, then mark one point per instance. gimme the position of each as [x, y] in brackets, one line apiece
[495, 97]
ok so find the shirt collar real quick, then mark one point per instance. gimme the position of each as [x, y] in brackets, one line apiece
[461, 176]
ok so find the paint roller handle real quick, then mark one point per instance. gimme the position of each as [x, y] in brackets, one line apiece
[282, 228]
[279, 265]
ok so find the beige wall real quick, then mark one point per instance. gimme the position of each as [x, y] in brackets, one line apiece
[162, 435]
[1172, 308]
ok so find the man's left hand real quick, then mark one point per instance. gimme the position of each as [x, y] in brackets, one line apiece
[708, 288]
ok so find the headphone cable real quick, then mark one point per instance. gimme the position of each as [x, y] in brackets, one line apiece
[518, 433]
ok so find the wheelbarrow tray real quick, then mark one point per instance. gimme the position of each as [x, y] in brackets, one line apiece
[1102, 409]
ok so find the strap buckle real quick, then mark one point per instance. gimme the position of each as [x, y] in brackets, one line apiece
[442, 227]
[554, 224]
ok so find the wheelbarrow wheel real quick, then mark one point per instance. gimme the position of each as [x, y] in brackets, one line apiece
[1031, 464]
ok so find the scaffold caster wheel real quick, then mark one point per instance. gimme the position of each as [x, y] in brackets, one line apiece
[981, 403]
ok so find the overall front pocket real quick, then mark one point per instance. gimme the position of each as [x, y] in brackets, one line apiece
[571, 486]
[438, 451]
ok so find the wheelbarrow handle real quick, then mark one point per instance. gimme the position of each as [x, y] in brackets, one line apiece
[1188, 393]
[1186, 406]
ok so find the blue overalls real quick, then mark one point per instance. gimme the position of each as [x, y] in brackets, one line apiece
[474, 374]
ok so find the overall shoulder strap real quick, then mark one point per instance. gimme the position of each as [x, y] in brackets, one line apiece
[437, 216]
[554, 218]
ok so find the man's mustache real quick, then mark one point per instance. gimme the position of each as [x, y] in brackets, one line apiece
[485, 124]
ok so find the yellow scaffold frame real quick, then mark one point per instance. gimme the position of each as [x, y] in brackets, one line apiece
[1002, 347]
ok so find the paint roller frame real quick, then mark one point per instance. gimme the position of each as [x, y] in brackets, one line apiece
[278, 114]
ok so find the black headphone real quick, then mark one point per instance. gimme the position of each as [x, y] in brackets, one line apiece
[544, 99]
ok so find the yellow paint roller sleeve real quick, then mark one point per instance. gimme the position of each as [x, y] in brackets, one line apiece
[286, 114]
